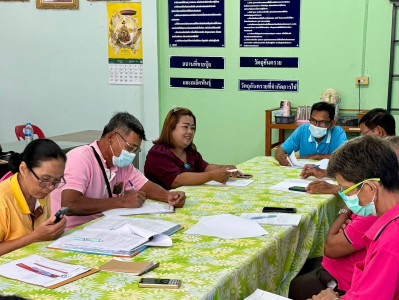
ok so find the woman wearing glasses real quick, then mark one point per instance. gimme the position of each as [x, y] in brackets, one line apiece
[174, 161]
[25, 214]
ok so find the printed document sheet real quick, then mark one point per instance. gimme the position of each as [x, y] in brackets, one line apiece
[227, 226]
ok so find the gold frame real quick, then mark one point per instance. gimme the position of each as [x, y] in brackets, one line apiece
[73, 4]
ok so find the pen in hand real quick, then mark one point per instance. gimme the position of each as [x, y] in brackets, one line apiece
[314, 167]
[131, 184]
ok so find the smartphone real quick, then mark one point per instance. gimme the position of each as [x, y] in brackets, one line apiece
[289, 210]
[245, 176]
[159, 283]
[297, 189]
[60, 213]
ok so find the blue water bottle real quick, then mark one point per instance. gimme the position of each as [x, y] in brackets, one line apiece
[28, 131]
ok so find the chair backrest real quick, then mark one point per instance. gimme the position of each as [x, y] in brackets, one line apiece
[8, 174]
[19, 132]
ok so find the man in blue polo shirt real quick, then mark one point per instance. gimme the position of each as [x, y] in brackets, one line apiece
[316, 140]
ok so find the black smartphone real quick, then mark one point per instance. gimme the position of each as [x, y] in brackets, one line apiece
[289, 210]
[297, 189]
[159, 283]
[245, 176]
[60, 213]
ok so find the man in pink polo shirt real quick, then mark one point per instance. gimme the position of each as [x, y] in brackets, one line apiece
[98, 175]
[367, 168]
[344, 247]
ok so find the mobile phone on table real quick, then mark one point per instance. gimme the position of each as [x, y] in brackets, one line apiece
[245, 176]
[159, 283]
[60, 213]
[289, 210]
[297, 188]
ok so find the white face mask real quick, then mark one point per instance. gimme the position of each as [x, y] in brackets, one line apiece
[317, 132]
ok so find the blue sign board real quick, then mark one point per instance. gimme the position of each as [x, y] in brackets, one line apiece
[196, 23]
[269, 62]
[197, 62]
[197, 83]
[268, 85]
[266, 23]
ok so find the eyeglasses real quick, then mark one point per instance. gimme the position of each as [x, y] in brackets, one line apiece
[319, 123]
[364, 133]
[57, 183]
[133, 149]
[357, 184]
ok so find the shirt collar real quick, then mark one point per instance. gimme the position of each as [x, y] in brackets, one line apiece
[20, 198]
[326, 139]
[380, 224]
[112, 169]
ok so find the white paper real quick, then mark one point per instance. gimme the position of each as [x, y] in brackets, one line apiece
[147, 208]
[323, 164]
[227, 226]
[263, 295]
[273, 219]
[232, 182]
[62, 271]
[287, 183]
[160, 240]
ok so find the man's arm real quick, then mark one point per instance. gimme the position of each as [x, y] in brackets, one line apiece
[79, 205]
[337, 245]
[156, 192]
[281, 156]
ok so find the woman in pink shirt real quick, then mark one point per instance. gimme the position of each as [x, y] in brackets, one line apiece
[367, 170]
[174, 161]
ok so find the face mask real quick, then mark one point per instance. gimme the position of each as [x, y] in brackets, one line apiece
[353, 204]
[124, 159]
[317, 132]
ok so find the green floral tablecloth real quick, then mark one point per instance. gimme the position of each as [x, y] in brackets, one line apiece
[210, 268]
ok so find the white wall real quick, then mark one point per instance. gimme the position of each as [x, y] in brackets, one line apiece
[54, 70]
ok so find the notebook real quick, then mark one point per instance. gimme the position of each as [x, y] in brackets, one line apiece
[118, 236]
[131, 267]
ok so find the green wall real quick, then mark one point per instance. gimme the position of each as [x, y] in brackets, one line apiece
[339, 40]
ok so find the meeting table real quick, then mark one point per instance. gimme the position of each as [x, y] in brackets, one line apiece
[209, 267]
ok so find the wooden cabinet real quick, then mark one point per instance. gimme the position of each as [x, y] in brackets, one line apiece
[282, 127]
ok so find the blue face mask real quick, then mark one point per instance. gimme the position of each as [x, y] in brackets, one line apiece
[317, 132]
[352, 201]
[124, 159]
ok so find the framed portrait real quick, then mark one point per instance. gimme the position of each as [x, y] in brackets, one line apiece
[57, 4]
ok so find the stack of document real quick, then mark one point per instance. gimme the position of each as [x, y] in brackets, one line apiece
[146, 209]
[119, 236]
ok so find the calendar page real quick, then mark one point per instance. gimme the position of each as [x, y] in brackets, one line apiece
[125, 51]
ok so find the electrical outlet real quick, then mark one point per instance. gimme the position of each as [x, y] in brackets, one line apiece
[362, 80]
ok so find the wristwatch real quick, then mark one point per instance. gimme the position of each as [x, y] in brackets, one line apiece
[344, 211]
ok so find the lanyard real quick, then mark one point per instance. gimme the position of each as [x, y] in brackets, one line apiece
[103, 170]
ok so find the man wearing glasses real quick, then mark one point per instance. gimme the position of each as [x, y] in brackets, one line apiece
[315, 140]
[101, 176]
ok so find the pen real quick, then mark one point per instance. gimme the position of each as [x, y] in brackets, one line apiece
[232, 170]
[131, 184]
[314, 167]
[263, 217]
[87, 239]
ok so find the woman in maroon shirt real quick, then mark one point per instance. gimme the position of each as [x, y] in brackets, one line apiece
[173, 161]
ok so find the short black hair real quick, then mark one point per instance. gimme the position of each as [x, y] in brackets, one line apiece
[380, 117]
[35, 153]
[320, 106]
[126, 123]
[364, 158]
